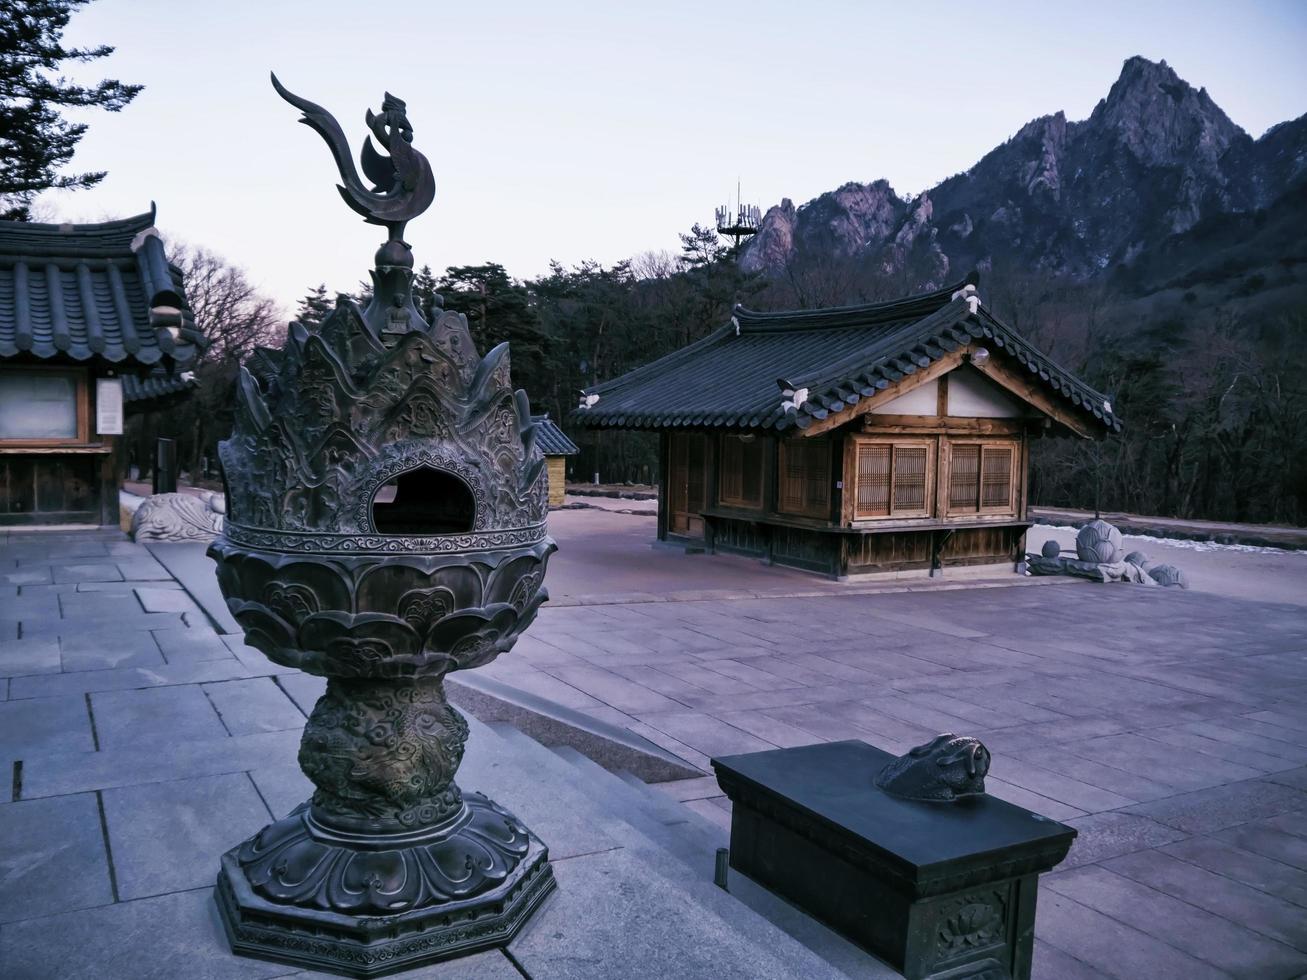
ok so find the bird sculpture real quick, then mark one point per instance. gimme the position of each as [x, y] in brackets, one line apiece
[403, 185]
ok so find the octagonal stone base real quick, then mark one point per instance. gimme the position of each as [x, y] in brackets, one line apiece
[370, 945]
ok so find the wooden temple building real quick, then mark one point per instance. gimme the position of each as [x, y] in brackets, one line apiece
[889, 438]
[82, 309]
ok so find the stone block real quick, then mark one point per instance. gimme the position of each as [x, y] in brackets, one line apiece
[163, 714]
[256, 704]
[156, 760]
[35, 656]
[126, 678]
[165, 600]
[1207, 810]
[1106, 835]
[1262, 837]
[1112, 947]
[45, 725]
[613, 917]
[188, 645]
[27, 575]
[283, 788]
[1262, 873]
[165, 938]
[930, 888]
[90, 572]
[303, 689]
[52, 859]
[1205, 936]
[1221, 896]
[167, 836]
[89, 648]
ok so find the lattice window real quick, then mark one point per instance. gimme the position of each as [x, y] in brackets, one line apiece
[964, 478]
[805, 477]
[892, 479]
[996, 477]
[982, 477]
[740, 482]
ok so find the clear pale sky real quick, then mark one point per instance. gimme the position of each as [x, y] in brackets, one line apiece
[570, 131]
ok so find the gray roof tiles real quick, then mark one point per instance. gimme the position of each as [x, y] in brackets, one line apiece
[100, 291]
[551, 439]
[729, 379]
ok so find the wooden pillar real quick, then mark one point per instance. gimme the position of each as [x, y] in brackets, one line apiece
[770, 477]
[664, 482]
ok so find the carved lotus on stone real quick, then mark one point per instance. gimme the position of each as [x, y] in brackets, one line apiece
[401, 618]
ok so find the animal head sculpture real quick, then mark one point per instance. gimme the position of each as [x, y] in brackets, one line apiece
[947, 768]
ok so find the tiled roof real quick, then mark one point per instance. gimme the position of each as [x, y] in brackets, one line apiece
[157, 389]
[551, 439]
[93, 291]
[730, 379]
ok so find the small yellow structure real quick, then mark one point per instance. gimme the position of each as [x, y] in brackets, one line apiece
[557, 447]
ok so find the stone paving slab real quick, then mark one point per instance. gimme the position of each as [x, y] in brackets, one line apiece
[52, 858]
[162, 713]
[254, 705]
[165, 836]
[1176, 744]
[1214, 893]
[44, 725]
[1239, 951]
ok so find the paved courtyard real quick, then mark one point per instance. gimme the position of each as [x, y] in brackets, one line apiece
[138, 742]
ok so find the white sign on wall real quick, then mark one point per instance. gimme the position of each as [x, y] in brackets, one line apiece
[108, 406]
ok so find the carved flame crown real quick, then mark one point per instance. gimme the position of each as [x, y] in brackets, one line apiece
[344, 409]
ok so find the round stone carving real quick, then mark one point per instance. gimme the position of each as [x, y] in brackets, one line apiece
[1169, 575]
[1137, 558]
[1099, 542]
[1051, 549]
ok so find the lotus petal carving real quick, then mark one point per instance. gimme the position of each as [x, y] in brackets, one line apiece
[475, 637]
[286, 864]
[364, 645]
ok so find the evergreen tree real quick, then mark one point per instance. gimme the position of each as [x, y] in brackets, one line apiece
[35, 139]
[425, 292]
[498, 309]
[315, 306]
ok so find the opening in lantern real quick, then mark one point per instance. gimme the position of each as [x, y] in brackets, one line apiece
[424, 501]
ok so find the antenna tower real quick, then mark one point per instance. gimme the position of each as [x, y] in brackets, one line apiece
[739, 223]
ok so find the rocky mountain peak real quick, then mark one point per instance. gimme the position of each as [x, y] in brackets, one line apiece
[1156, 158]
[1161, 118]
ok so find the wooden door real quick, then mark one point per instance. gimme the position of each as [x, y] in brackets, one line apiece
[687, 484]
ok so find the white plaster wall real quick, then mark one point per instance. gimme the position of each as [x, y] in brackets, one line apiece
[971, 395]
[919, 401]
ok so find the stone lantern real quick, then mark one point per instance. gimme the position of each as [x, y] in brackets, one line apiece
[386, 505]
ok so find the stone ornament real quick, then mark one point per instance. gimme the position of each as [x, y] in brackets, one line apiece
[178, 517]
[386, 525]
[1099, 550]
[1099, 543]
[946, 769]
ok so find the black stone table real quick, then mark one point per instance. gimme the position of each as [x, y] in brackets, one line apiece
[937, 890]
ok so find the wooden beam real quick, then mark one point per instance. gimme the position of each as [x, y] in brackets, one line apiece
[1035, 395]
[901, 387]
[948, 425]
[941, 396]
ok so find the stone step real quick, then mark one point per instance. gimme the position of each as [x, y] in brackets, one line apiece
[684, 834]
[608, 806]
[702, 838]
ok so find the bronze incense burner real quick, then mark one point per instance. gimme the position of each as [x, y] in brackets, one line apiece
[386, 507]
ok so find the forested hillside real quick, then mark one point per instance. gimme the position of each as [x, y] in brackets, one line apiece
[1155, 249]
